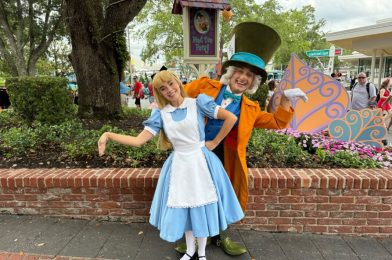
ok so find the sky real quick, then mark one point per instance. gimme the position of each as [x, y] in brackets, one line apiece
[344, 14]
[338, 14]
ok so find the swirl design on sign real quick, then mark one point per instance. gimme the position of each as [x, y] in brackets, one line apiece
[366, 126]
[328, 99]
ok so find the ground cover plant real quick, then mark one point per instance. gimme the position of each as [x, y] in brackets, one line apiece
[73, 143]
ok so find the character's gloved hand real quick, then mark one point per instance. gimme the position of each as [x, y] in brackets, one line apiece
[295, 93]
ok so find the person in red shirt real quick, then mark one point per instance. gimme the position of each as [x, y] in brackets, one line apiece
[137, 88]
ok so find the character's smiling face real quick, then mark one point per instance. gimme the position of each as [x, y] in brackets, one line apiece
[241, 80]
[170, 90]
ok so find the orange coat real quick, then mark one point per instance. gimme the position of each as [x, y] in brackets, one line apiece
[251, 117]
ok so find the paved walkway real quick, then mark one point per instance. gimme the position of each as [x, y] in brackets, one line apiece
[35, 237]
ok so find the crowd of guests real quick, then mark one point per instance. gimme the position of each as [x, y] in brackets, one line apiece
[365, 94]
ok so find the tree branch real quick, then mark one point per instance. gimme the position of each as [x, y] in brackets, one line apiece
[5, 24]
[46, 41]
[19, 32]
[119, 13]
[31, 24]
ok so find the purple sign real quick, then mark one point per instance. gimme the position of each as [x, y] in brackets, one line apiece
[202, 27]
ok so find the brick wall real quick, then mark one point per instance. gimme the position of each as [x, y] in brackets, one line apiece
[344, 201]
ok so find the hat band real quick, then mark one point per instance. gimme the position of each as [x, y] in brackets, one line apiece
[248, 58]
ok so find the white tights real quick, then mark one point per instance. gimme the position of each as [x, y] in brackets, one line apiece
[191, 246]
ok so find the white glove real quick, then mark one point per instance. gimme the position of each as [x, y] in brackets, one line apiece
[295, 93]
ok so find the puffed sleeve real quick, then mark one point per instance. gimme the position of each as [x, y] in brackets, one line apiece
[154, 123]
[207, 106]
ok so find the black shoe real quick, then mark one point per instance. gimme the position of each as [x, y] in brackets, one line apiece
[194, 257]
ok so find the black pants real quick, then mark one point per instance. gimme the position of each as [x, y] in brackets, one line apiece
[220, 152]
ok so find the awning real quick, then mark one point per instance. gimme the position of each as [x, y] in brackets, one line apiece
[365, 39]
[208, 4]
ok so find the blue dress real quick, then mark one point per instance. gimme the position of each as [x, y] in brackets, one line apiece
[205, 220]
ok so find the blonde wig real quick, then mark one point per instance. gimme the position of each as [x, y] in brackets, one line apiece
[225, 79]
[160, 78]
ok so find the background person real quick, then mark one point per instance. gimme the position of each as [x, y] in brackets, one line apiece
[271, 90]
[362, 93]
[384, 95]
[124, 92]
[137, 90]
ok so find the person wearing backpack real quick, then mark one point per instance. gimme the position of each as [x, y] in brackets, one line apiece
[362, 93]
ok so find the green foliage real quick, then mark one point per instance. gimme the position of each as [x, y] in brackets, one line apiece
[30, 27]
[17, 141]
[45, 99]
[298, 28]
[8, 119]
[161, 29]
[122, 54]
[59, 133]
[260, 95]
[130, 112]
[84, 144]
[300, 32]
[58, 58]
[345, 159]
[265, 149]
[270, 148]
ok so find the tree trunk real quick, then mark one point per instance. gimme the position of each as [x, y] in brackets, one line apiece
[93, 29]
[97, 76]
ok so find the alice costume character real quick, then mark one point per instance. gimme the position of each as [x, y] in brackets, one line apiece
[193, 192]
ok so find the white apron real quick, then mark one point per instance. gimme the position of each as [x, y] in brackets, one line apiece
[190, 180]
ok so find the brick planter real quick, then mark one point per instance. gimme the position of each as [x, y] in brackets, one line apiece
[343, 201]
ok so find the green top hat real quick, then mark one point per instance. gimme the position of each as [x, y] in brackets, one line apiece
[255, 44]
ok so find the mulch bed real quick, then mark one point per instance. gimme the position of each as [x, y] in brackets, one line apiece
[52, 157]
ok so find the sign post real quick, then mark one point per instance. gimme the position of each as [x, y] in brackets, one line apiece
[324, 53]
[331, 53]
[200, 26]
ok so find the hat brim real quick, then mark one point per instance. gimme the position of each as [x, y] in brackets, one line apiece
[241, 64]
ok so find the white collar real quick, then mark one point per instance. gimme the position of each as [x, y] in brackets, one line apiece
[169, 108]
[229, 89]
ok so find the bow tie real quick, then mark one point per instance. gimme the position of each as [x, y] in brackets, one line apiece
[228, 94]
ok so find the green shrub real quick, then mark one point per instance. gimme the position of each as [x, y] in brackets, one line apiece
[270, 148]
[85, 145]
[345, 159]
[45, 99]
[260, 95]
[58, 134]
[17, 141]
[130, 112]
[8, 119]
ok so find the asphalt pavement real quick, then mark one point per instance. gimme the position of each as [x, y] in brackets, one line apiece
[36, 237]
